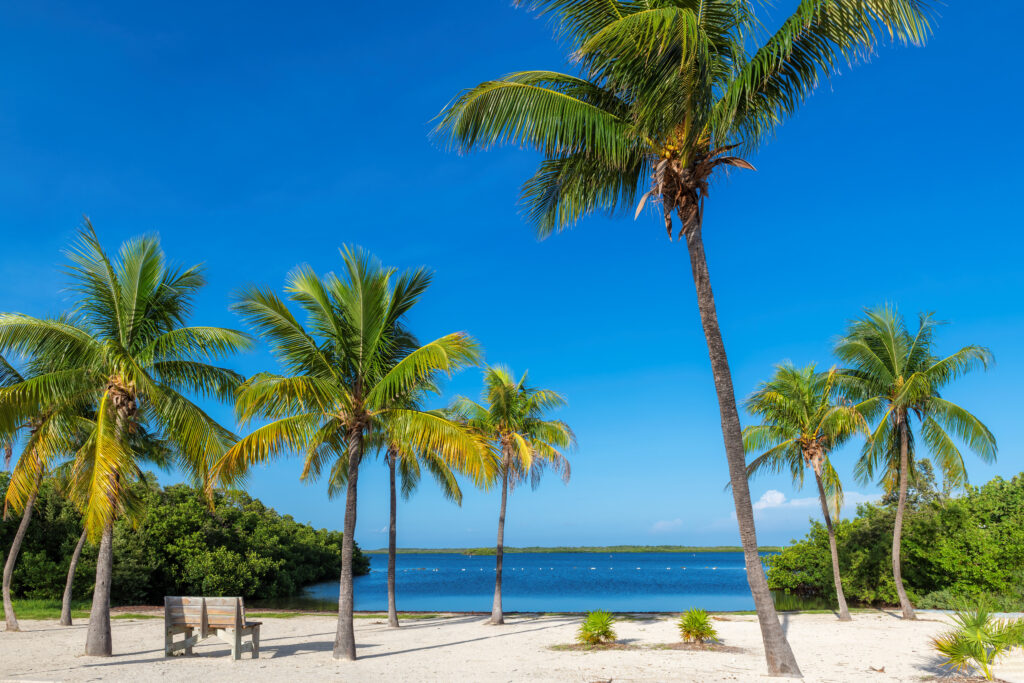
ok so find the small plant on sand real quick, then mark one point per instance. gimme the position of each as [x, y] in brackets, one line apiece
[695, 626]
[597, 629]
[977, 640]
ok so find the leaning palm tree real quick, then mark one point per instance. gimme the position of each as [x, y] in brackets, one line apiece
[343, 380]
[129, 360]
[512, 420]
[802, 424]
[669, 94]
[896, 376]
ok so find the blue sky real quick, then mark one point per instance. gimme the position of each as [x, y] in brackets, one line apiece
[256, 136]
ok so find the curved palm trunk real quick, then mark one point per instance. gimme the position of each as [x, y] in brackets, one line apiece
[844, 613]
[392, 607]
[345, 639]
[8, 454]
[12, 556]
[497, 616]
[65, 604]
[897, 532]
[97, 640]
[778, 654]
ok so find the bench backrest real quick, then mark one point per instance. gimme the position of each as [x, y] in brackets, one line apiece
[203, 612]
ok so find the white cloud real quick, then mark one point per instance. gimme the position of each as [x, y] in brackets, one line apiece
[665, 525]
[772, 499]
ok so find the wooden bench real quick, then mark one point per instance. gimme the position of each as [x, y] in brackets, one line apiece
[223, 618]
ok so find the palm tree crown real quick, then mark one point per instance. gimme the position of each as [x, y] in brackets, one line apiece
[513, 420]
[667, 92]
[802, 423]
[897, 377]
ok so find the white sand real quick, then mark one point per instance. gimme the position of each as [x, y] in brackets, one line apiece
[465, 648]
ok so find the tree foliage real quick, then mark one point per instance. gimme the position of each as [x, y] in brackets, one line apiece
[178, 546]
[965, 548]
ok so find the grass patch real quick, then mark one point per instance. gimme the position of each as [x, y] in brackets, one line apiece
[46, 609]
[699, 647]
[408, 617]
[577, 647]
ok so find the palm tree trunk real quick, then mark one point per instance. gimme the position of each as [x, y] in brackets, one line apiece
[497, 616]
[8, 454]
[844, 613]
[897, 532]
[392, 607]
[345, 639]
[12, 556]
[778, 654]
[97, 640]
[65, 605]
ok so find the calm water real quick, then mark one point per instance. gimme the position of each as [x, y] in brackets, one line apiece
[550, 582]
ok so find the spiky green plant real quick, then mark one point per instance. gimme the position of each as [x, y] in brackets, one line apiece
[695, 626]
[349, 374]
[597, 629]
[513, 423]
[803, 421]
[896, 377]
[667, 96]
[977, 640]
[125, 356]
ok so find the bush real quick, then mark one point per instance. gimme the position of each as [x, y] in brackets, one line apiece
[596, 629]
[977, 640]
[986, 524]
[695, 626]
[177, 546]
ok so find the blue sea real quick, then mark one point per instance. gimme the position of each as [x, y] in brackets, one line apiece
[550, 582]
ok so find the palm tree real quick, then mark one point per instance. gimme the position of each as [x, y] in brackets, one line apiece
[342, 383]
[668, 94]
[46, 437]
[129, 360]
[405, 463]
[65, 602]
[801, 425]
[512, 420]
[897, 377]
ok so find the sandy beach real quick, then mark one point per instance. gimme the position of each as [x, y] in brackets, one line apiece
[876, 646]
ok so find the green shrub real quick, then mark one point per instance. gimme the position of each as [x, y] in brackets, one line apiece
[985, 524]
[695, 626]
[596, 629]
[178, 546]
[977, 640]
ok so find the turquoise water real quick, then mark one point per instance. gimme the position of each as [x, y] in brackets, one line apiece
[550, 582]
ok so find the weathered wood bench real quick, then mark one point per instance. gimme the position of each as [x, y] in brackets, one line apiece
[223, 618]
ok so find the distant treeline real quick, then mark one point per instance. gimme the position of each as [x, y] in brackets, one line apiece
[955, 549]
[582, 549]
[176, 546]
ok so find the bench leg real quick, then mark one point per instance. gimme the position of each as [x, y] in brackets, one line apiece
[256, 643]
[188, 634]
[168, 641]
[236, 644]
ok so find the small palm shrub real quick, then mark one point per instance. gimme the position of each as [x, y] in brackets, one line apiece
[695, 626]
[596, 629]
[977, 640]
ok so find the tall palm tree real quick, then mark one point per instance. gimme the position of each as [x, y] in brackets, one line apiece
[802, 424]
[129, 360]
[668, 94]
[342, 383]
[897, 378]
[512, 420]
